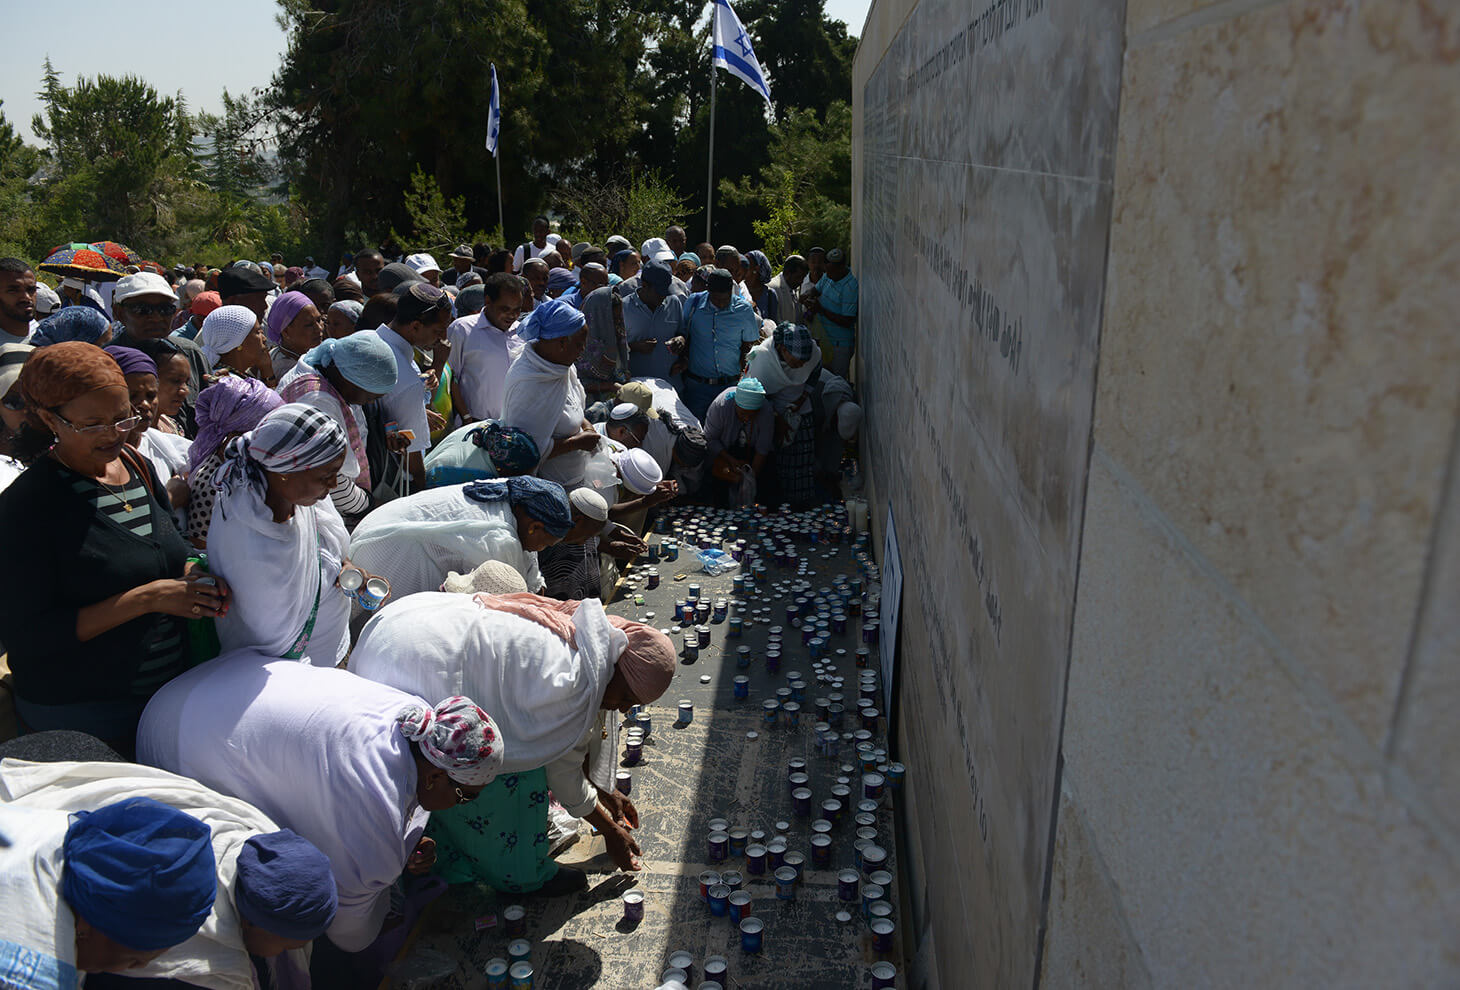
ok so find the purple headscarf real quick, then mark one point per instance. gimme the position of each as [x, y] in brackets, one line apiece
[232, 405]
[282, 313]
[131, 360]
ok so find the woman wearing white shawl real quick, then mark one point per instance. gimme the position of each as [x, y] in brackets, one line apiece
[547, 670]
[413, 542]
[543, 395]
[354, 766]
[278, 540]
[783, 364]
[216, 957]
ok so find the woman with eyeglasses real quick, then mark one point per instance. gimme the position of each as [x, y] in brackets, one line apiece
[98, 588]
[353, 766]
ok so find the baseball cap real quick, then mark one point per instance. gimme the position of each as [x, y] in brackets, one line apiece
[422, 263]
[835, 255]
[142, 284]
[464, 252]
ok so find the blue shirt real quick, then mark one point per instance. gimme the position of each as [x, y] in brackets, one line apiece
[573, 298]
[406, 404]
[841, 299]
[715, 335]
[643, 323]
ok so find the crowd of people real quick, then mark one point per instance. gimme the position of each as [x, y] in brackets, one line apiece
[302, 607]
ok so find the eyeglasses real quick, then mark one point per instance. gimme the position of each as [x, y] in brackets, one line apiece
[152, 309]
[14, 402]
[120, 426]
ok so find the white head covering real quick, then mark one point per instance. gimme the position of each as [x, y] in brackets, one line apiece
[420, 263]
[590, 503]
[46, 300]
[493, 578]
[624, 410]
[224, 329]
[639, 471]
[848, 419]
[656, 249]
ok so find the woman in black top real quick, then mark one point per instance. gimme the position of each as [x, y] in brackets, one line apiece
[98, 587]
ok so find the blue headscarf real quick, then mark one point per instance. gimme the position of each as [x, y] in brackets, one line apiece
[512, 451]
[618, 259]
[545, 501]
[552, 319]
[71, 323]
[285, 886]
[364, 359]
[139, 872]
[762, 265]
[561, 280]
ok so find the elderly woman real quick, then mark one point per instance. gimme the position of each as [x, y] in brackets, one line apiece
[545, 398]
[414, 541]
[81, 323]
[71, 897]
[225, 410]
[233, 344]
[168, 453]
[171, 413]
[353, 766]
[293, 327]
[94, 630]
[549, 671]
[604, 362]
[481, 451]
[338, 378]
[279, 541]
[342, 317]
[275, 890]
[783, 363]
[757, 283]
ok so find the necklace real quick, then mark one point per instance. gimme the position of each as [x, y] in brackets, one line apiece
[119, 496]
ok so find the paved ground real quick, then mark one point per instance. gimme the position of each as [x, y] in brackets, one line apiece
[689, 775]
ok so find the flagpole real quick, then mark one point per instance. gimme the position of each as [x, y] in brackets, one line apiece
[710, 177]
[501, 218]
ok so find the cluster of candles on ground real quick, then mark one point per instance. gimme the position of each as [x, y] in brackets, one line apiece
[846, 732]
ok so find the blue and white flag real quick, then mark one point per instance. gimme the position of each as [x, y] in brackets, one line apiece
[494, 116]
[733, 51]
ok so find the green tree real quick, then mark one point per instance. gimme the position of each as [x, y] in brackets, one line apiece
[635, 203]
[805, 188]
[18, 162]
[115, 152]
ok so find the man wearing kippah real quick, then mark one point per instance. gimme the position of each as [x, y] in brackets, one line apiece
[421, 320]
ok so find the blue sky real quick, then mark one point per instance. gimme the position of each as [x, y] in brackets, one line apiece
[200, 54]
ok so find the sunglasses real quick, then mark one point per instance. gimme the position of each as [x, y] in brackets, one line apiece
[120, 426]
[152, 309]
[13, 402]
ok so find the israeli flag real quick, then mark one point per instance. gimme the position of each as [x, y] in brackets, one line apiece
[494, 116]
[733, 51]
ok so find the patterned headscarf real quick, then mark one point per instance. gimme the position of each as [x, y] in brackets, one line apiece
[543, 500]
[224, 329]
[71, 323]
[294, 437]
[512, 451]
[456, 736]
[232, 405]
[762, 265]
[796, 340]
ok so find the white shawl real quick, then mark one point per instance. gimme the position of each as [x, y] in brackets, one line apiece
[413, 541]
[168, 452]
[317, 750]
[215, 957]
[275, 571]
[543, 693]
[38, 940]
[547, 401]
[782, 384]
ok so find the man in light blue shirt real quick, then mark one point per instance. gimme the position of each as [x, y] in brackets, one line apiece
[652, 315]
[719, 327]
[833, 311]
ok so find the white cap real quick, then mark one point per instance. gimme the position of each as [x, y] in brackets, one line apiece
[420, 263]
[493, 577]
[590, 503]
[624, 410]
[142, 284]
[848, 419]
[639, 471]
[46, 300]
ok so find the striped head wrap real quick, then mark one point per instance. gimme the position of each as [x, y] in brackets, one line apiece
[294, 437]
[543, 500]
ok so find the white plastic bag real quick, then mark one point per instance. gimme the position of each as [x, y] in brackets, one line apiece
[746, 496]
[715, 562]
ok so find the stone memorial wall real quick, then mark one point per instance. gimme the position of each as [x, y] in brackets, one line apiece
[987, 149]
[1177, 677]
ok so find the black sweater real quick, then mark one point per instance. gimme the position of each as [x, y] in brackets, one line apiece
[60, 555]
